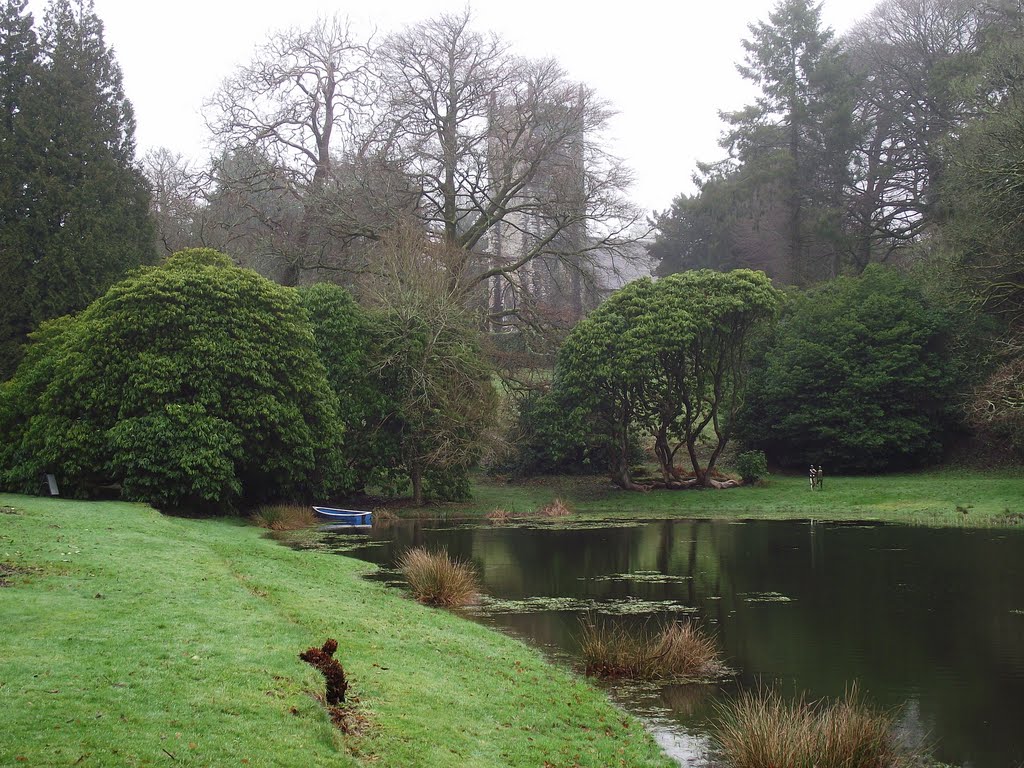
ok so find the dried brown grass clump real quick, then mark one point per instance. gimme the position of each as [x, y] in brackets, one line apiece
[760, 730]
[678, 650]
[284, 517]
[556, 508]
[435, 579]
[498, 515]
[383, 517]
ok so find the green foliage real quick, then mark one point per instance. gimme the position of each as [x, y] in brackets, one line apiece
[601, 371]
[447, 484]
[752, 466]
[667, 357]
[347, 345]
[791, 149]
[552, 438]
[441, 402]
[195, 384]
[984, 183]
[75, 209]
[857, 376]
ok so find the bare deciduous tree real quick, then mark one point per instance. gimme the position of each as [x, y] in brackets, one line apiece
[297, 107]
[907, 53]
[508, 155]
[429, 363]
[177, 199]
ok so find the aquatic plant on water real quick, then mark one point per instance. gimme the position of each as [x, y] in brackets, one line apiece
[762, 730]
[680, 649]
[436, 579]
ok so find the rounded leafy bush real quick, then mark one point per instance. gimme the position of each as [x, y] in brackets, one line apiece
[194, 384]
[752, 466]
[858, 376]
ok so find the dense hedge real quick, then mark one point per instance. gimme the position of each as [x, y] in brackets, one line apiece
[194, 384]
[857, 376]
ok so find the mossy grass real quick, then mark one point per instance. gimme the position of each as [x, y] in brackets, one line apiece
[990, 498]
[284, 517]
[679, 649]
[133, 638]
[436, 579]
[762, 730]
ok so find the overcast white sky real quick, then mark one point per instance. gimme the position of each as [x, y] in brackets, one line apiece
[667, 66]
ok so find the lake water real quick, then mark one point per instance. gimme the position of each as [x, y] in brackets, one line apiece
[929, 620]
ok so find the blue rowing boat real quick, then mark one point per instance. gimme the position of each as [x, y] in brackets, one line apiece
[352, 517]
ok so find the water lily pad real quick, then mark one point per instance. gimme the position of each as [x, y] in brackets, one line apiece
[637, 607]
[645, 577]
[764, 597]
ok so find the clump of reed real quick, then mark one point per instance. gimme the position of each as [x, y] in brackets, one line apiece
[556, 508]
[761, 730]
[284, 517]
[498, 515]
[677, 650]
[436, 579]
[383, 517]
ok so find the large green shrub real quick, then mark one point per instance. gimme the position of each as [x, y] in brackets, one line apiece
[348, 346]
[857, 376]
[193, 384]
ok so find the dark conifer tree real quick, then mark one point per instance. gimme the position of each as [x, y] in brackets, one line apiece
[19, 73]
[84, 219]
[797, 137]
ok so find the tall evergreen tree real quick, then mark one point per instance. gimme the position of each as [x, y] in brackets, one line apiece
[84, 217]
[796, 138]
[19, 53]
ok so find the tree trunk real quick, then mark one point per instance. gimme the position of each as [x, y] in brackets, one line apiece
[620, 466]
[416, 475]
[664, 453]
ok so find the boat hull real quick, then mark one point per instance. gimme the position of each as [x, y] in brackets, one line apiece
[349, 517]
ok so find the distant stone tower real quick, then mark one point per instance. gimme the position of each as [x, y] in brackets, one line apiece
[545, 236]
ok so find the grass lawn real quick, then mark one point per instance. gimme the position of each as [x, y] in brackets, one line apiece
[128, 638]
[991, 498]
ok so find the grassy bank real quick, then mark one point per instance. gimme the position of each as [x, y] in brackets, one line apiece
[958, 498]
[130, 638]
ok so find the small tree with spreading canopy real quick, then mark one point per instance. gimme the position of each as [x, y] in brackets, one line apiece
[667, 358]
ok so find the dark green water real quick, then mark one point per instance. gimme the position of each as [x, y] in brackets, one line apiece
[929, 620]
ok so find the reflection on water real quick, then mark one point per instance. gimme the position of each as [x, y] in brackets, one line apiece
[932, 620]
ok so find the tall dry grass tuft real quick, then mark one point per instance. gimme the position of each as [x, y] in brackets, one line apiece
[383, 517]
[682, 649]
[761, 730]
[284, 517]
[556, 508]
[679, 649]
[435, 579]
[498, 516]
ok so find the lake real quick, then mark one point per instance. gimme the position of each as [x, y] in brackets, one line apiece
[929, 620]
